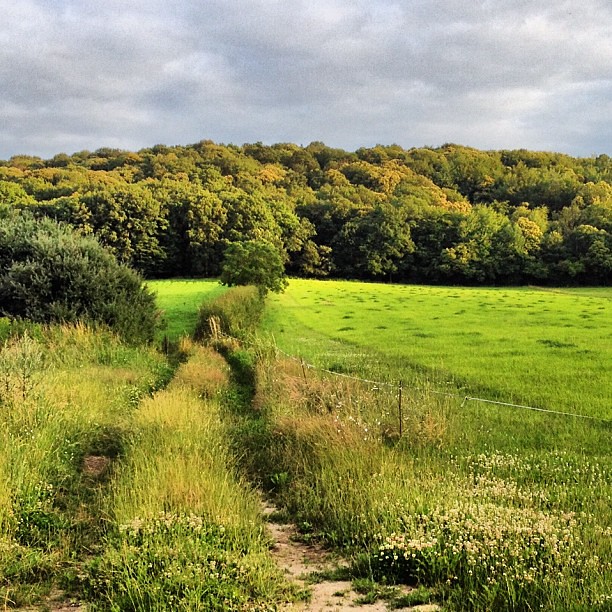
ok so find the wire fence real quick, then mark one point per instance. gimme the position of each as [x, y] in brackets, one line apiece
[402, 395]
[400, 387]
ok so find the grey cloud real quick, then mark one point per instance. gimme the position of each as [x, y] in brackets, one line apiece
[82, 74]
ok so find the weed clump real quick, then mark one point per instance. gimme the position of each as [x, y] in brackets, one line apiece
[237, 312]
[176, 561]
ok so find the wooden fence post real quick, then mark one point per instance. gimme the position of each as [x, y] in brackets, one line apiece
[400, 409]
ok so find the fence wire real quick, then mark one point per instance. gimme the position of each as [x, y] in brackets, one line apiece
[399, 388]
[465, 399]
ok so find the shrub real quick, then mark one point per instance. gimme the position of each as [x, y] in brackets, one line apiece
[49, 273]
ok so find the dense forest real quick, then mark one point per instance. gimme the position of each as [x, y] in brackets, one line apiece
[451, 214]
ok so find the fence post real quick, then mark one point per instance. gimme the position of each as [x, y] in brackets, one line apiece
[303, 368]
[399, 409]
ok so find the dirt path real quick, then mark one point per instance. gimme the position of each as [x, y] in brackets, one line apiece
[299, 560]
[55, 602]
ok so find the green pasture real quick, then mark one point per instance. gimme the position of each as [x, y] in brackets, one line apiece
[546, 348]
[471, 498]
[489, 507]
[179, 300]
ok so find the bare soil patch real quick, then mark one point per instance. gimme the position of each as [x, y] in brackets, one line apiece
[96, 466]
[299, 560]
[55, 602]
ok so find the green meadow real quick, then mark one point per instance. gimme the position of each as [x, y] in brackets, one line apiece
[179, 301]
[132, 480]
[545, 348]
[492, 507]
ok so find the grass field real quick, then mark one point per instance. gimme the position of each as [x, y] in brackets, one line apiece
[488, 507]
[182, 298]
[546, 348]
[499, 508]
[484, 507]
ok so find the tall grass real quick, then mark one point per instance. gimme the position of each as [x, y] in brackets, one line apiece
[236, 312]
[62, 396]
[489, 507]
[509, 528]
[187, 531]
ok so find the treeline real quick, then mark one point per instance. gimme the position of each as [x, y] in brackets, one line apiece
[449, 214]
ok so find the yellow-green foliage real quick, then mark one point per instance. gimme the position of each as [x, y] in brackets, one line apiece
[62, 396]
[179, 300]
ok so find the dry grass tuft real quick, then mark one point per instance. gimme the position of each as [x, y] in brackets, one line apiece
[206, 372]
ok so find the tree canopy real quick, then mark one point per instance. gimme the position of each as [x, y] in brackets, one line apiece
[447, 214]
[254, 262]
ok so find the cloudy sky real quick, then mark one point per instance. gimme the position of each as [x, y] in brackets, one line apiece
[85, 74]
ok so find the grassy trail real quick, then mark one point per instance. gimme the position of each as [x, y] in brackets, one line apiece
[118, 490]
[187, 533]
[179, 301]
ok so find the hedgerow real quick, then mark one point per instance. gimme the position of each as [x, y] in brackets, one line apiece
[236, 313]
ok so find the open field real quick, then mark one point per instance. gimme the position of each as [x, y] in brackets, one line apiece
[130, 483]
[473, 499]
[546, 348]
[179, 299]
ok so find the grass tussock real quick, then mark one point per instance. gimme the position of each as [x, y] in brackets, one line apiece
[237, 312]
[206, 374]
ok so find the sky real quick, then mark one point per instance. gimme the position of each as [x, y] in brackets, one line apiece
[492, 74]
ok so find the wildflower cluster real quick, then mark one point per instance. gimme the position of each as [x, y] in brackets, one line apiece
[167, 523]
[500, 543]
[174, 561]
[484, 547]
[559, 468]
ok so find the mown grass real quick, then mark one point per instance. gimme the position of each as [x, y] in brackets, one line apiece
[550, 349]
[179, 300]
